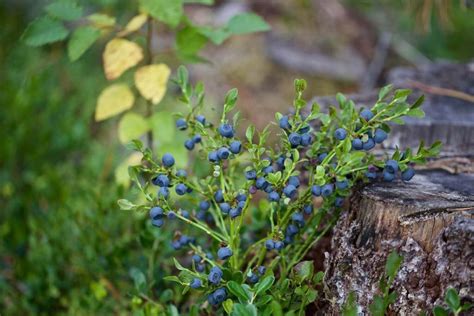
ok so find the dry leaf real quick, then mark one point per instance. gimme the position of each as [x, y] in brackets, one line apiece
[134, 24]
[113, 100]
[119, 55]
[151, 81]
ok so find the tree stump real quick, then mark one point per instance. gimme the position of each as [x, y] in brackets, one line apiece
[429, 221]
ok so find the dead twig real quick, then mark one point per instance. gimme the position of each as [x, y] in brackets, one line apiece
[442, 91]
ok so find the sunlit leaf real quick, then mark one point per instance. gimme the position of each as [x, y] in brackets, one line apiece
[120, 55]
[113, 100]
[131, 126]
[101, 20]
[121, 172]
[134, 24]
[82, 38]
[151, 81]
[166, 11]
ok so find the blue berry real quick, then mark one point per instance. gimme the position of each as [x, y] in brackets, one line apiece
[158, 222]
[253, 189]
[289, 191]
[408, 174]
[225, 208]
[304, 129]
[156, 212]
[369, 144]
[162, 180]
[181, 124]
[366, 114]
[327, 189]
[292, 230]
[294, 180]
[269, 244]
[294, 139]
[241, 197]
[298, 218]
[185, 213]
[195, 283]
[219, 196]
[224, 253]
[200, 267]
[171, 215]
[288, 240]
[197, 138]
[201, 119]
[357, 144]
[167, 160]
[339, 202]
[279, 245]
[181, 173]
[322, 156]
[316, 190]
[281, 162]
[274, 196]
[269, 188]
[342, 185]
[176, 245]
[235, 147]
[215, 275]
[308, 209]
[196, 258]
[181, 189]
[204, 205]
[241, 205]
[223, 153]
[388, 176]
[261, 270]
[380, 135]
[226, 130]
[220, 295]
[251, 175]
[306, 139]
[209, 256]
[235, 212]
[189, 144]
[268, 170]
[285, 123]
[201, 215]
[252, 278]
[164, 192]
[371, 175]
[391, 166]
[340, 134]
[213, 157]
[261, 183]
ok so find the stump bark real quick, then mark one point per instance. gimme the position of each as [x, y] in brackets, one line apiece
[430, 221]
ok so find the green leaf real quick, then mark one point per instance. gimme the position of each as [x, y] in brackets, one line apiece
[178, 265]
[172, 278]
[377, 308]
[418, 102]
[249, 133]
[439, 311]
[81, 39]
[131, 126]
[168, 12]
[215, 35]
[236, 289]
[101, 20]
[207, 2]
[230, 100]
[247, 23]
[350, 306]
[394, 260]
[189, 41]
[304, 271]
[276, 308]
[163, 126]
[244, 310]
[228, 305]
[384, 91]
[452, 299]
[44, 31]
[139, 279]
[64, 10]
[264, 284]
[416, 112]
[125, 205]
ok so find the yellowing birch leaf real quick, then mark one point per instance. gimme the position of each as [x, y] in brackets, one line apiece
[132, 126]
[151, 81]
[121, 173]
[113, 100]
[134, 24]
[119, 55]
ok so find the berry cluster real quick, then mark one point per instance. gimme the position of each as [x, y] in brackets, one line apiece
[255, 207]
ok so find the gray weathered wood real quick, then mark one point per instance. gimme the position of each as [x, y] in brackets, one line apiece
[448, 118]
[429, 220]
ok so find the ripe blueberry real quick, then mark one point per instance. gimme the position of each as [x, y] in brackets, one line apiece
[226, 130]
[225, 208]
[215, 275]
[181, 124]
[279, 245]
[251, 175]
[167, 160]
[292, 230]
[285, 123]
[357, 144]
[156, 212]
[163, 192]
[171, 215]
[316, 190]
[204, 205]
[369, 144]
[342, 185]
[185, 213]
[295, 181]
[261, 270]
[274, 196]
[261, 183]
[327, 189]
[339, 202]
[181, 173]
[220, 295]
[298, 218]
[408, 174]
[268, 170]
[213, 157]
[162, 180]
[289, 191]
[340, 134]
[308, 209]
[269, 244]
[391, 166]
[201, 119]
[235, 212]
[371, 175]
[181, 189]
[380, 135]
[388, 176]
[252, 278]
[235, 147]
[366, 114]
[196, 258]
[224, 253]
[195, 283]
[294, 139]
[241, 197]
[223, 153]
[306, 139]
[322, 156]
[197, 138]
[158, 222]
[219, 196]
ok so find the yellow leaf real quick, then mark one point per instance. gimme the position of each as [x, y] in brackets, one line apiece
[121, 173]
[113, 100]
[134, 24]
[119, 55]
[151, 81]
[132, 126]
